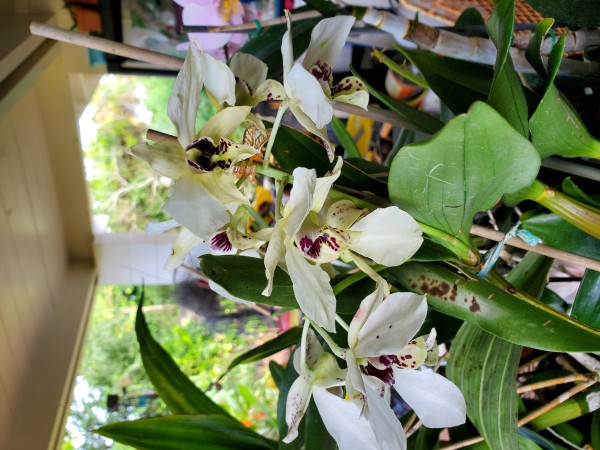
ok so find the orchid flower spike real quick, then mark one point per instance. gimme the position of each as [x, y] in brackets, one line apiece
[382, 353]
[309, 83]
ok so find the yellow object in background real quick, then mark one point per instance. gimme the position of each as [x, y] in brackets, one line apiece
[361, 130]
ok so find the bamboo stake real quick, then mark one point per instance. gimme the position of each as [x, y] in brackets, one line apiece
[105, 45]
[171, 62]
[556, 382]
[542, 249]
[250, 26]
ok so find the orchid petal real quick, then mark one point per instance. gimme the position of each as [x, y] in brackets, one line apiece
[218, 79]
[296, 405]
[343, 422]
[249, 68]
[351, 90]
[389, 236]
[366, 308]
[309, 96]
[386, 426]
[185, 97]
[359, 98]
[327, 373]
[310, 126]
[324, 184]
[225, 122]
[355, 385]
[269, 90]
[287, 49]
[436, 400]
[155, 228]
[273, 254]
[313, 351]
[167, 157]
[301, 197]
[388, 328]
[327, 40]
[194, 208]
[311, 289]
[221, 185]
[343, 214]
[185, 241]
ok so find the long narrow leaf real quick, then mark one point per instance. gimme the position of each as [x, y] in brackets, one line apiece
[518, 319]
[586, 306]
[350, 148]
[206, 432]
[179, 394]
[281, 342]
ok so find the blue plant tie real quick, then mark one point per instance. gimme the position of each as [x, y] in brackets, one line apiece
[258, 29]
[492, 256]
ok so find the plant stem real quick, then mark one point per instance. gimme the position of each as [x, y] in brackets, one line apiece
[584, 217]
[336, 349]
[341, 322]
[274, 173]
[257, 217]
[355, 277]
[400, 70]
[278, 117]
[459, 248]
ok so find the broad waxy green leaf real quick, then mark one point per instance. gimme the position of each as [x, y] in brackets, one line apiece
[556, 128]
[185, 432]
[463, 169]
[277, 373]
[506, 94]
[586, 306]
[521, 320]
[174, 388]
[419, 119]
[275, 345]
[557, 232]
[458, 83]
[484, 368]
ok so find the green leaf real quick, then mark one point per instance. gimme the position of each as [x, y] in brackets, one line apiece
[209, 432]
[518, 319]
[556, 128]
[469, 17]
[533, 53]
[316, 435]
[484, 368]
[572, 13]
[277, 373]
[362, 175]
[293, 149]
[179, 394]
[534, 269]
[281, 342]
[458, 83]
[586, 306]
[537, 440]
[418, 118]
[350, 148]
[267, 45]
[506, 94]
[465, 168]
[575, 192]
[558, 233]
[570, 409]
[595, 430]
[244, 277]
[324, 7]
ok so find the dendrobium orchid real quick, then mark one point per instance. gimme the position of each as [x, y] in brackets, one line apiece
[311, 285]
[252, 86]
[309, 83]
[382, 354]
[318, 371]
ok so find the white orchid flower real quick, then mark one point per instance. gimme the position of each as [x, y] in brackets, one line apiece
[309, 83]
[317, 371]
[310, 283]
[387, 236]
[252, 86]
[382, 353]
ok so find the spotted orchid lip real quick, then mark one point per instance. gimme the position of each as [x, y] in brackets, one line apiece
[206, 149]
[312, 247]
[220, 242]
[321, 71]
[386, 373]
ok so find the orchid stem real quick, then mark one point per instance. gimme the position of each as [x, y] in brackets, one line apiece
[341, 322]
[347, 282]
[278, 117]
[459, 248]
[274, 173]
[336, 349]
[257, 217]
[303, 343]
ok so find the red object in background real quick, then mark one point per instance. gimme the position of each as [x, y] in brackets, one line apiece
[86, 14]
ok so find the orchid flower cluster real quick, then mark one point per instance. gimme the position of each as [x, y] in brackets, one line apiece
[313, 233]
